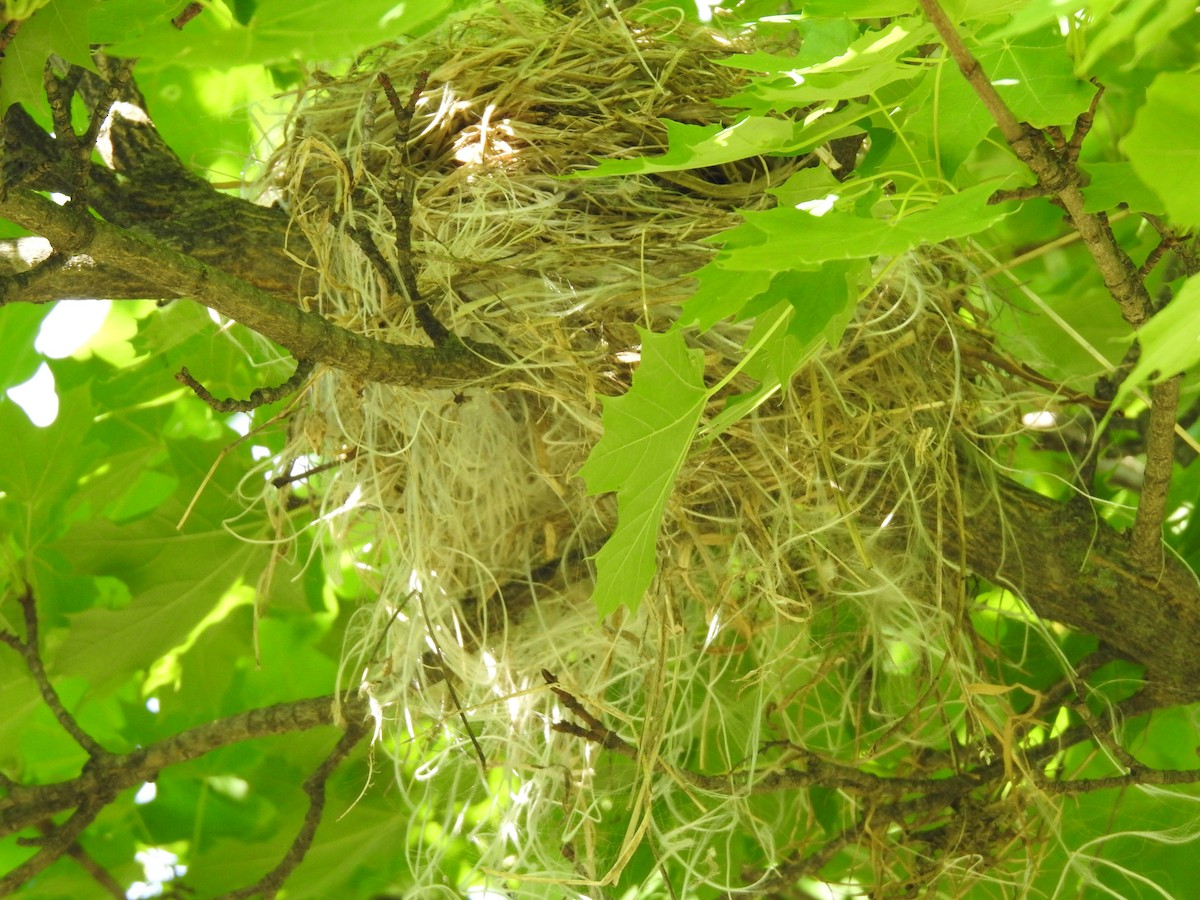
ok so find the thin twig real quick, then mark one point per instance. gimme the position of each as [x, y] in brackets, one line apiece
[9, 32]
[189, 12]
[99, 874]
[398, 198]
[57, 842]
[343, 458]
[23, 806]
[258, 396]
[314, 787]
[462, 715]
[1054, 168]
[596, 732]
[1053, 171]
[31, 653]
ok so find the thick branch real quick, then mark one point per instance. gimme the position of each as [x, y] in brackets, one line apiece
[307, 335]
[81, 278]
[1160, 461]
[1080, 572]
[160, 197]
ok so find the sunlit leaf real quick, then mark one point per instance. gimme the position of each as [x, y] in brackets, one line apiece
[647, 433]
[278, 30]
[59, 29]
[1164, 145]
[800, 237]
[1170, 341]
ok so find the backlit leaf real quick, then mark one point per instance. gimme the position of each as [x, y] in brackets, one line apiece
[647, 433]
[800, 237]
[1170, 341]
[1164, 145]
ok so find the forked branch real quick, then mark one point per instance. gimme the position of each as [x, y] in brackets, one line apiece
[307, 335]
[1052, 161]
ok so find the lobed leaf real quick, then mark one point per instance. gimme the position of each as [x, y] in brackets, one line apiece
[1170, 341]
[647, 433]
[802, 238]
[1164, 145]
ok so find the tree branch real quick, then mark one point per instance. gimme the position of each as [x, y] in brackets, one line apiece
[306, 334]
[58, 842]
[161, 198]
[31, 653]
[314, 787]
[1054, 174]
[110, 773]
[1160, 462]
[1081, 573]
[1054, 167]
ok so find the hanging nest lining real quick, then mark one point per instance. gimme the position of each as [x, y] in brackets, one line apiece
[800, 584]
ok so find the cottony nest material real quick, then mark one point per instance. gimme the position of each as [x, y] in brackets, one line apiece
[803, 604]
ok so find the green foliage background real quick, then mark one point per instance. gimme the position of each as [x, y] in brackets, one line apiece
[139, 600]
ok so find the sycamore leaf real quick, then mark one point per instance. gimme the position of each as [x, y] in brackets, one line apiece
[783, 92]
[859, 10]
[1170, 341]
[722, 293]
[278, 30]
[696, 146]
[794, 318]
[177, 578]
[859, 53]
[647, 433]
[39, 480]
[1164, 146]
[1110, 184]
[60, 28]
[1035, 78]
[19, 327]
[820, 40]
[1147, 23]
[805, 239]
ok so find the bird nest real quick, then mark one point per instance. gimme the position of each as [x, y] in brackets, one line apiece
[802, 609]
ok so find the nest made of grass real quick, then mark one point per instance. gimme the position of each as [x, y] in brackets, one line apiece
[795, 556]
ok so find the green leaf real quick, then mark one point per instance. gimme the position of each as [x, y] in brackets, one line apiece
[859, 53]
[1111, 184]
[19, 327]
[858, 9]
[722, 293]
[1147, 22]
[763, 95]
[178, 578]
[797, 315]
[278, 30]
[41, 479]
[696, 146]
[61, 29]
[1033, 74]
[693, 146]
[1164, 145]
[205, 115]
[820, 40]
[647, 433]
[800, 237]
[1170, 341]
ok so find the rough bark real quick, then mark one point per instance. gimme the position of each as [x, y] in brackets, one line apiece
[1071, 567]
